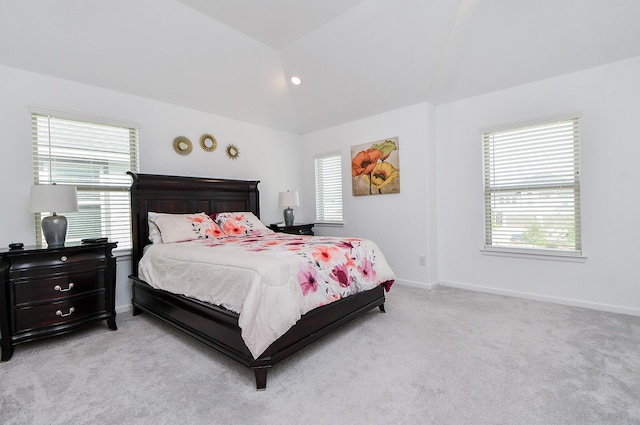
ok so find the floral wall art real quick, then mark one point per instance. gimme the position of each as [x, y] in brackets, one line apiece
[375, 168]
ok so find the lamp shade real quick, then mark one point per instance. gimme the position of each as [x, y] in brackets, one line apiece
[53, 198]
[289, 199]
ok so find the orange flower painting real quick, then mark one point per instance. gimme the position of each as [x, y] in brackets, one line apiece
[375, 168]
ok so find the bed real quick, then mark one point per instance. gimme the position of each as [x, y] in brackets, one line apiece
[214, 325]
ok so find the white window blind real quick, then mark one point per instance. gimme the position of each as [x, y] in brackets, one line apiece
[329, 189]
[532, 187]
[94, 157]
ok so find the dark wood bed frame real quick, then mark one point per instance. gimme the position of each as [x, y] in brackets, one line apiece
[213, 325]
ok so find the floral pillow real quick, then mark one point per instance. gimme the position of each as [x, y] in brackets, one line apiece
[183, 227]
[241, 224]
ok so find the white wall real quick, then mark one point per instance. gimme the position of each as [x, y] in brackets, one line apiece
[399, 223]
[439, 212]
[609, 98]
[267, 155]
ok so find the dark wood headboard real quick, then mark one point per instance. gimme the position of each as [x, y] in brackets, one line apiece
[184, 195]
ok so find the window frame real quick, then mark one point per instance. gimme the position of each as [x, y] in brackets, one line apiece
[537, 188]
[323, 212]
[87, 187]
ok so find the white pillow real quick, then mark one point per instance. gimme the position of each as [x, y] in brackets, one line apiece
[241, 224]
[183, 227]
[154, 232]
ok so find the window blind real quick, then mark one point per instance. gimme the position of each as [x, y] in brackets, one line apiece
[532, 187]
[94, 157]
[329, 189]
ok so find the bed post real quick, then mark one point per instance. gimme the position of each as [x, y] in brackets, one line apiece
[261, 377]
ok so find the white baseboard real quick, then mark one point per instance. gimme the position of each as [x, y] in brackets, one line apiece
[415, 284]
[124, 309]
[543, 298]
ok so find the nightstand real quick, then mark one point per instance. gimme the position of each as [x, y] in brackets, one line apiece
[296, 229]
[50, 291]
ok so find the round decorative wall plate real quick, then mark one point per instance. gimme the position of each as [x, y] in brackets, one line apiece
[208, 143]
[233, 152]
[182, 145]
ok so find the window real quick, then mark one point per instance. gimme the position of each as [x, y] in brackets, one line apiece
[532, 187]
[329, 189]
[94, 157]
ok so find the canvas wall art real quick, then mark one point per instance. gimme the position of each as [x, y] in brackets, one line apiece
[375, 168]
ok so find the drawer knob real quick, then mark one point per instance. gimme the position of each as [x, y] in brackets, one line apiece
[63, 258]
[59, 288]
[61, 314]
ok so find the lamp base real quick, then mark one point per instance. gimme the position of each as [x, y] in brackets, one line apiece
[54, 228]
[288, 217]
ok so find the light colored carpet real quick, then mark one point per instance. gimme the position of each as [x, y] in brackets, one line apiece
[444, 356]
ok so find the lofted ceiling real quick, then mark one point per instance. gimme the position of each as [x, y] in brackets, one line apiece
[356, 58]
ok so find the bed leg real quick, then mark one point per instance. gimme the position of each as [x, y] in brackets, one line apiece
[136, 310]
[261, 377]
[7, 352]
[111, 322]
[381, 307]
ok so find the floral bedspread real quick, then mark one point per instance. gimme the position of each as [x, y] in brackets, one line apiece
[270, 280]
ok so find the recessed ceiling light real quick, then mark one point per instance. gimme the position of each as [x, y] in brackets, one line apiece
[296, 80]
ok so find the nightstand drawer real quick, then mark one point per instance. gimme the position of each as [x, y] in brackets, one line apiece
[300, 231]
[33, 291]
[58, 313]
[26, 263]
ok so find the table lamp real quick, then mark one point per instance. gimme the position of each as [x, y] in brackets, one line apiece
[54, 198]
[289, 199]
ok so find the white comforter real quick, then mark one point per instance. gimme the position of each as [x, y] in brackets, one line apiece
[269, 280]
